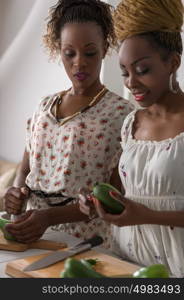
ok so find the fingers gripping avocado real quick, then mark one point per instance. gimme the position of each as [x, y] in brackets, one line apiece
[101, 192]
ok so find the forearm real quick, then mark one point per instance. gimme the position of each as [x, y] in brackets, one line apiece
[22, 171]
[67, 214]
[166, 218]
[116, 181]
[20, 178]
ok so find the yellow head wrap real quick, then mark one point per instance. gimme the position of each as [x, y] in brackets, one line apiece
[133, 17]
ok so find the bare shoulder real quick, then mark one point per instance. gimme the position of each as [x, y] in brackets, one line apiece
[140, 115]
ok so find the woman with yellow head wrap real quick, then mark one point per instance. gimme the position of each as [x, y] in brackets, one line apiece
[150, 229]
[162, 16]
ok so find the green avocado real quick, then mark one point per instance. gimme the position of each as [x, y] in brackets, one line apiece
[101, 192]
[153, 271]
[7, 235]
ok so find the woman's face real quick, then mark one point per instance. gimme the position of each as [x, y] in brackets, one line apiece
[82, 51]
[145, 74]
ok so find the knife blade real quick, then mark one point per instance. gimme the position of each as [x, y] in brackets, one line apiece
[58, 255]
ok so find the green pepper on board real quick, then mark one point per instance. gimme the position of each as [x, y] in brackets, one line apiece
[64, 274]
[153, 271]
[101, 192]
[90, 263]
[75, 268]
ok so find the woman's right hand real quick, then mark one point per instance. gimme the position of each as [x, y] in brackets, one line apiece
[86, 203]
[15, 199]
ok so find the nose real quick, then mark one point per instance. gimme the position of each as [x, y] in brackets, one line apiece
[79, 61]
[131, 81]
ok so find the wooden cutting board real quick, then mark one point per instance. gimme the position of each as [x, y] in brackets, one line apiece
[40, 244]
[106, 265]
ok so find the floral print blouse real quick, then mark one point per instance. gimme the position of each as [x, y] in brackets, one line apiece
[79, 153]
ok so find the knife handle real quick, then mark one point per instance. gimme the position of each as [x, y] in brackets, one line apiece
[15, 218]
[94, 241]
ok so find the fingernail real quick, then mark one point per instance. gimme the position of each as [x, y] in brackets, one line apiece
[113, 193]
[89, 197]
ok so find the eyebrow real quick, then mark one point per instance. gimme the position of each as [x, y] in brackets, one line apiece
[87, 45]
[136, 61]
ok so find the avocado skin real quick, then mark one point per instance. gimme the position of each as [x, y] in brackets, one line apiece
[7, 235]
[101, 192]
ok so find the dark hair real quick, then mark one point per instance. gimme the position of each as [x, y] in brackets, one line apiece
[165, 42]
[78, 11]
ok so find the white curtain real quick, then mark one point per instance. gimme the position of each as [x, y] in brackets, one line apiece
[25, 73]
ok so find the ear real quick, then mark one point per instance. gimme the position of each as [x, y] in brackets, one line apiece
[175, 62]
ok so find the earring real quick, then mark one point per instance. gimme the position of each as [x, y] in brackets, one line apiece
[171, 87]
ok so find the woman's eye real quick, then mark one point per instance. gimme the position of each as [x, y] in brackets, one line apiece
[124, 74]
[143, 71]
[90, 53]
[69, 54]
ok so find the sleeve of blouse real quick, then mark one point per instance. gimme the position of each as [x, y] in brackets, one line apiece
[32, 121]
[115, 160]
[28, 134]
[30, 129]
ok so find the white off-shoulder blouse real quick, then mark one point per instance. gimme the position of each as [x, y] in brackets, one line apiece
[152, 173]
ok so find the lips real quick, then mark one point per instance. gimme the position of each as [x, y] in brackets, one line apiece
[139, 96]
[81, 75]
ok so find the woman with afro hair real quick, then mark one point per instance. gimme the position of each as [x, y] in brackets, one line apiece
[73, 138]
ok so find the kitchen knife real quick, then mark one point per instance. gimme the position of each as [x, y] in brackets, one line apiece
[58, 255]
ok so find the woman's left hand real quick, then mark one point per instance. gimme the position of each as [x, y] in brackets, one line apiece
[133, 214]
[30, 227]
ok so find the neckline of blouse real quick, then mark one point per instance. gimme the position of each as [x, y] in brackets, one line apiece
[102, 93]
[151, 142]
[92, 103]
